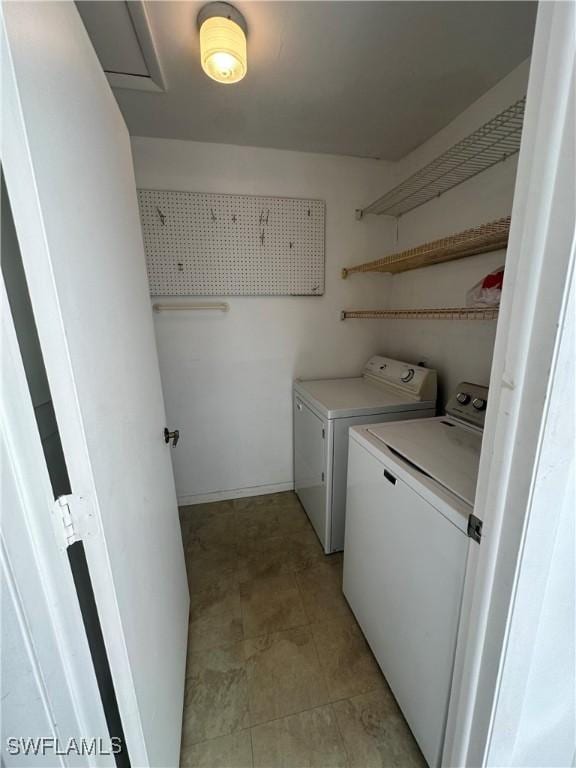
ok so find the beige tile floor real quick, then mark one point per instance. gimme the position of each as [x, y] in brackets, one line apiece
[278, 674]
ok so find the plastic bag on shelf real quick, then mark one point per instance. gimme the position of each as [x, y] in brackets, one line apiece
[488, 291]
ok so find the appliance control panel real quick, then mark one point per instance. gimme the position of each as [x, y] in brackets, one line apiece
[469, 403]
[406, 377]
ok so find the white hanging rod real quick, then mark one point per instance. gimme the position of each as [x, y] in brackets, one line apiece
[221, 306]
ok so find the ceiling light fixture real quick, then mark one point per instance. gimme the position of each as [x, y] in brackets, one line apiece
[222, 42]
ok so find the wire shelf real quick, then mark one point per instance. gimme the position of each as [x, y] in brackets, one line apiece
[482, 239]
[490, 144]
[444, 313]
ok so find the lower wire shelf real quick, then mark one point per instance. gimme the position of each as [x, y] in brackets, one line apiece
[443, 313]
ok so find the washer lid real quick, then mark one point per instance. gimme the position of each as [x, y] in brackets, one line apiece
[444, 449]
[338, 398]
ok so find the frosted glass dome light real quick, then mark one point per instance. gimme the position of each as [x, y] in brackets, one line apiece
[222, 42]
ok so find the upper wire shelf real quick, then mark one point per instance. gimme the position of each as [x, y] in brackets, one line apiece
[490, 144]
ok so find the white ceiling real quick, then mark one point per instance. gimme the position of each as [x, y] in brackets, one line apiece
[370, 79]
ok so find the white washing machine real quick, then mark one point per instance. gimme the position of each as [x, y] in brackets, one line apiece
[409, 529]
[325, 409]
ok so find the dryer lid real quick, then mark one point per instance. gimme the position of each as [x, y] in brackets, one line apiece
[385, 385]
[340, 398]
[442, 448]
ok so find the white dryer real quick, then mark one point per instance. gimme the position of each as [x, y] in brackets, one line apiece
[325, 409]
[409, 529]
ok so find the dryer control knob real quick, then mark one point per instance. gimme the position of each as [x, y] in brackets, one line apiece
[407, 375]
[479, 403]
[463, 398]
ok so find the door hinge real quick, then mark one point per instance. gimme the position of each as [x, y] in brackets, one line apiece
[323, 433]
[63, 508]
[474, 528]
[322, 476]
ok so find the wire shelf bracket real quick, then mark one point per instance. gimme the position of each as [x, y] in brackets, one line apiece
[492, 143]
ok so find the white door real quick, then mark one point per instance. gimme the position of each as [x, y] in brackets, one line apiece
[49, 688]
[310, 466]
[68, 169]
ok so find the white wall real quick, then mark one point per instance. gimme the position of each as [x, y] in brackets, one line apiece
[227, 378]
[458, 349]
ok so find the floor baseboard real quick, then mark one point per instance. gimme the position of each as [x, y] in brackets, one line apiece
[234, 493]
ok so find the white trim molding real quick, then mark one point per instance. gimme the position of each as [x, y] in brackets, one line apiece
[523, 381]
[233, 493]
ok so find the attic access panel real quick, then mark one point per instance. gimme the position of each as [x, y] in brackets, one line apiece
[122, 37]
[203, 244]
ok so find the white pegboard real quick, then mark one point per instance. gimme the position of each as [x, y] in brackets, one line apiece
[232, 245]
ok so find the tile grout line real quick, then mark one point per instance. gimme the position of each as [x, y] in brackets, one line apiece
[251, 745]
[293, 576]
[302, 599]
[185, 542]
[293, 572]
[322, 670]
[244, 638]
[329, 704]
[342, 739]
[292, 714]
[307, 623]
[311, 709]
[219, 736]
[327, 682]
[324, 676]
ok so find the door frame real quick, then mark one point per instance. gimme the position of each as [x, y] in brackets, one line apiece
[37, 571]
[539, 264]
